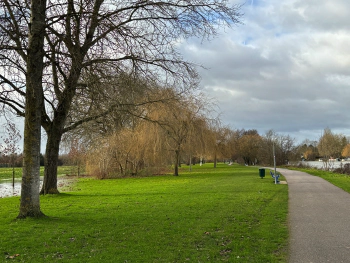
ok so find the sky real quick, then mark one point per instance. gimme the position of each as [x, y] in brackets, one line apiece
[286, 68]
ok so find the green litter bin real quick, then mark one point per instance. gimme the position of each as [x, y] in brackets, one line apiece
[261, 172]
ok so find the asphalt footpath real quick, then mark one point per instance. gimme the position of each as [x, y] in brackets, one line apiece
[319, 219]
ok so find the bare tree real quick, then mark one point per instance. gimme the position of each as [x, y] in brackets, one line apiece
[177, 120]
[126, 151]
[11, 147]
[77, 156]
[219, 140]
[166, 132]
[126, 131]
[199, 140]
[249, 145]
[284, 148]
[83, 36]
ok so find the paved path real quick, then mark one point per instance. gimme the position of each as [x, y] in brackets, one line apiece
[319, 219]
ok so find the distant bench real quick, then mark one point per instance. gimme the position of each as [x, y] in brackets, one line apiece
[275, 176]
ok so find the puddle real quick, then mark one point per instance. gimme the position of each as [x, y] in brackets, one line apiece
[7, 189]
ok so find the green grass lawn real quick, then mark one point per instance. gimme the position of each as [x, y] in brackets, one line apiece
[227, 214]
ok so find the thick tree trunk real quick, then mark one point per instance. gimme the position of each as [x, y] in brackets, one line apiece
[30, 201]
[51, 161]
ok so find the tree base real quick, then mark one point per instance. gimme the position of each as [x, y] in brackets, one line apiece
[51, 191]
[31, 215]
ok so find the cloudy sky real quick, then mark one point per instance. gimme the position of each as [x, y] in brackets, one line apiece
[286, 68]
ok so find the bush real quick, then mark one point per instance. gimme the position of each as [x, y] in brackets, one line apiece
[344, 169]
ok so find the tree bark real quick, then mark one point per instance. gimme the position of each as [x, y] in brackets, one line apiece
[30, 201]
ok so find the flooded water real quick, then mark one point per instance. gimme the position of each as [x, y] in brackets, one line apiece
[320, 164]
[7, 189]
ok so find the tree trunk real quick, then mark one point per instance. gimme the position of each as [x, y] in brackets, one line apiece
[13, 172]
[177, 160]
[246, 160]
[215, 159]
[30, 201]
[51, 161]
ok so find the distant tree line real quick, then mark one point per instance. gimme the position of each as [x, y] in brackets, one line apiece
[179, 132]
[151, 147]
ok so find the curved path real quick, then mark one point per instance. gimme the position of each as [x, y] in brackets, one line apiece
[319, 219]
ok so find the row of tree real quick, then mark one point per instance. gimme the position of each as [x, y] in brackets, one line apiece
[166, 136]
[66, 63]
[180, 131]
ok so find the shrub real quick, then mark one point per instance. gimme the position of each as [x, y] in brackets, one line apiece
[343, 169]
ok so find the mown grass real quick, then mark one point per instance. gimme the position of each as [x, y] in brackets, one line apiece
[6, 172]
[340, 180]
[227, 214]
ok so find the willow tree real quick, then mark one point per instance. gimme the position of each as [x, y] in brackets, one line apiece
[85, 36]
[183, 123]
[219, 137]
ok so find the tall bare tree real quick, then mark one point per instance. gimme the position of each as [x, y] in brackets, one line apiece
[85, 36]
[30, 201]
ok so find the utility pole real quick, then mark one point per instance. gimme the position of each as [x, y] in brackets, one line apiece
[274, 162]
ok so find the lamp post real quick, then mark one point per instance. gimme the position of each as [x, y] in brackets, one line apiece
[274, 162]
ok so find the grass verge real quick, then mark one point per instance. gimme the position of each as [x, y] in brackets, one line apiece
[227, 214]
